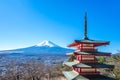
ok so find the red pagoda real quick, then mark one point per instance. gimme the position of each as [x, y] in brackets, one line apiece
[85, 65]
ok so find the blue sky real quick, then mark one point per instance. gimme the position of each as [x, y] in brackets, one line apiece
[27, 22]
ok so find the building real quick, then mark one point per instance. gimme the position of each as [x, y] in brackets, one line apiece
[85, 64]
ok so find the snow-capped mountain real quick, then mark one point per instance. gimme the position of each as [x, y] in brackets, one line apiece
[47, 43]
[45, 47]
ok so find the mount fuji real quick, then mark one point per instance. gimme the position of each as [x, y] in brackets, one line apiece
[44, 48]
[46, 43]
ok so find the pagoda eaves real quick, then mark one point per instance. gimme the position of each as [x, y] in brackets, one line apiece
[72, 75]
[92, 53]
[94, 42]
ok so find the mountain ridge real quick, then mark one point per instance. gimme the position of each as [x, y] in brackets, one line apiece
[45, 47]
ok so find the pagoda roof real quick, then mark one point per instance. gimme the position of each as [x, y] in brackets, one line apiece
[88, 41]
[88, 65]
[70, 63]
[71, 53]
[91, 41]
[93, 53]
[72, 75]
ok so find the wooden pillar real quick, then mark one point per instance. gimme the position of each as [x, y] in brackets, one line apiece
[94, 58]
[81, 57]
[95, 70]
[80, 70]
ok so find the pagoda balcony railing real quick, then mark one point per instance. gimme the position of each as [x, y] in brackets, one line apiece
[84, 50]
[86, 70]
[92, 61]
[90, 73]
[86, 58]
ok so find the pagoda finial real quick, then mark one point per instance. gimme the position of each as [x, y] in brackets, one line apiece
[85, 27]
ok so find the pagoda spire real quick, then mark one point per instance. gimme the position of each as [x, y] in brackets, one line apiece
[85, 27]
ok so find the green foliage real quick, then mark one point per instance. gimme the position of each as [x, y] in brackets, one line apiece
[116, 73]
[115, 60]
[72, 58]
[101, 59]
[67, 68]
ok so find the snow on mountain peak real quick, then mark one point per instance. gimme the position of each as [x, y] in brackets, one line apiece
[47, 43]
